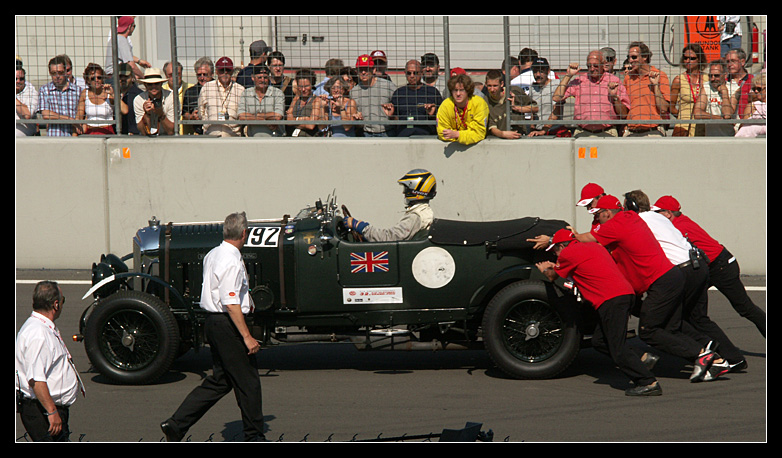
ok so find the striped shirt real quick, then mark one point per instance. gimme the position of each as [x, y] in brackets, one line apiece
[63, 102]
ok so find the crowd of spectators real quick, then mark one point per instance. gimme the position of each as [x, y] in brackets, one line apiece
[265, 100]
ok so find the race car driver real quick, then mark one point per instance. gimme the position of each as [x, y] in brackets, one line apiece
[419, 186]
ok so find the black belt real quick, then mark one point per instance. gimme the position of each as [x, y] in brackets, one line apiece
[684, 264]
[37, 403]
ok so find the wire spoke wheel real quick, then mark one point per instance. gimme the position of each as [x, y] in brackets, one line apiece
[132, 337]
[527, 333]
[129, 340]
[532, 331]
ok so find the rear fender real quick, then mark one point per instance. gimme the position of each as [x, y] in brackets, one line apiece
[483, 295]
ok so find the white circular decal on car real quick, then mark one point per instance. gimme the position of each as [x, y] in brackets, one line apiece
[433, 267]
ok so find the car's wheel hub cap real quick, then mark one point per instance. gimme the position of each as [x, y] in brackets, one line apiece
[532, 331]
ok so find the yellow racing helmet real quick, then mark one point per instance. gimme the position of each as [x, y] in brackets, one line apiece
[419, 185]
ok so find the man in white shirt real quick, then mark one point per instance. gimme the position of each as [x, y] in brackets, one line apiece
[225, 295]
[26, 103]
[47, 382]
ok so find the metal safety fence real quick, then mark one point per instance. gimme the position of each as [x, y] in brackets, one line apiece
[267, 75]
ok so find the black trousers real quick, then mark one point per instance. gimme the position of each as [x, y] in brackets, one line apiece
[697, 323]
[232, 369]
[31, 412]
[610, 337]
[725, 276]
[660, 320]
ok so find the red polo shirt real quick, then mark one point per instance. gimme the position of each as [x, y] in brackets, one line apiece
[698, 237]
[634, 248]
[594, 272]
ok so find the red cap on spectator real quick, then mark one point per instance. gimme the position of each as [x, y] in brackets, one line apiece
[607, 202]
[365, 60]
[666, 203]
[224, 62]
[458, 71]
[589, 192]
[378, 53]
[123, 23]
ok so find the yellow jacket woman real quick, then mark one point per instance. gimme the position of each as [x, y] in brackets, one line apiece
[462, 116]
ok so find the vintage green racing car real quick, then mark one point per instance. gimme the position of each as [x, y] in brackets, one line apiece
[458, 285]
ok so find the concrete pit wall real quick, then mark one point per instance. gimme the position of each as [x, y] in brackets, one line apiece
[77, 198]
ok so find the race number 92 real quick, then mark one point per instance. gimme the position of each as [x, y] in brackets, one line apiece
[263, 237]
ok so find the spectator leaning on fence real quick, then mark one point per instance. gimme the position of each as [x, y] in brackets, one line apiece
[305, 107]
[154, 107]
[277, 76]
[430, 66]
[219, 101]
[717, 100]
[542, 92]
[59, 100]
[649, 92]
[686, 88]
[521, 104]
[735, 61]
[373, 97]
[96, 103]
[181, 88]
[262, 102]
[755, 110]
[26, 103]
[415, 101]
[129, 90]
[204, 69]
[462, 117]
[599, 95]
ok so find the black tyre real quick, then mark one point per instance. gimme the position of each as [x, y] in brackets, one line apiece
[527, 334]
[132, 338]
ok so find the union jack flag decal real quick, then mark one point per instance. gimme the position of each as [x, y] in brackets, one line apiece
[369, 262]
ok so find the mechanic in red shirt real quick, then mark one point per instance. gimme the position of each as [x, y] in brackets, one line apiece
[643, 263]
[602, 285]
[724, 271]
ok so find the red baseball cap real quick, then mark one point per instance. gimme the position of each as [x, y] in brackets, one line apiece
[458, 71]
[562, 235]
[607, 202]
[365, 60]
[589, 192]
[666, 203]
[379, 54]
[224, 62]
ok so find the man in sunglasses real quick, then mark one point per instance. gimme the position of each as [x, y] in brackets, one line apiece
[415, 102]
[219, 101]
[649, 90]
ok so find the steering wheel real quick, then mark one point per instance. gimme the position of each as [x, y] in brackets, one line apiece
[356, 236]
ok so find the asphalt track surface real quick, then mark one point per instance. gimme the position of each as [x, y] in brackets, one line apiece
[318, 393]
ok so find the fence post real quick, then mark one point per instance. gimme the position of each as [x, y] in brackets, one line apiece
[174, 69]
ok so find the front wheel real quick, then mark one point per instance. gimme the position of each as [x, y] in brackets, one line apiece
[132, 337]
[527, 333]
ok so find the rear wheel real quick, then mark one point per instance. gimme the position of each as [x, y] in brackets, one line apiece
[527, 333]
[132, 337]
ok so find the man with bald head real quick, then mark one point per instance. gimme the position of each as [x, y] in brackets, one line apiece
[415, 101]
[599, 95]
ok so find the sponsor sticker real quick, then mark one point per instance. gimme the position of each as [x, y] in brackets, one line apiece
[372, 295]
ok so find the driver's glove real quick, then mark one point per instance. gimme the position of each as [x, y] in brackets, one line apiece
[356, 225]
